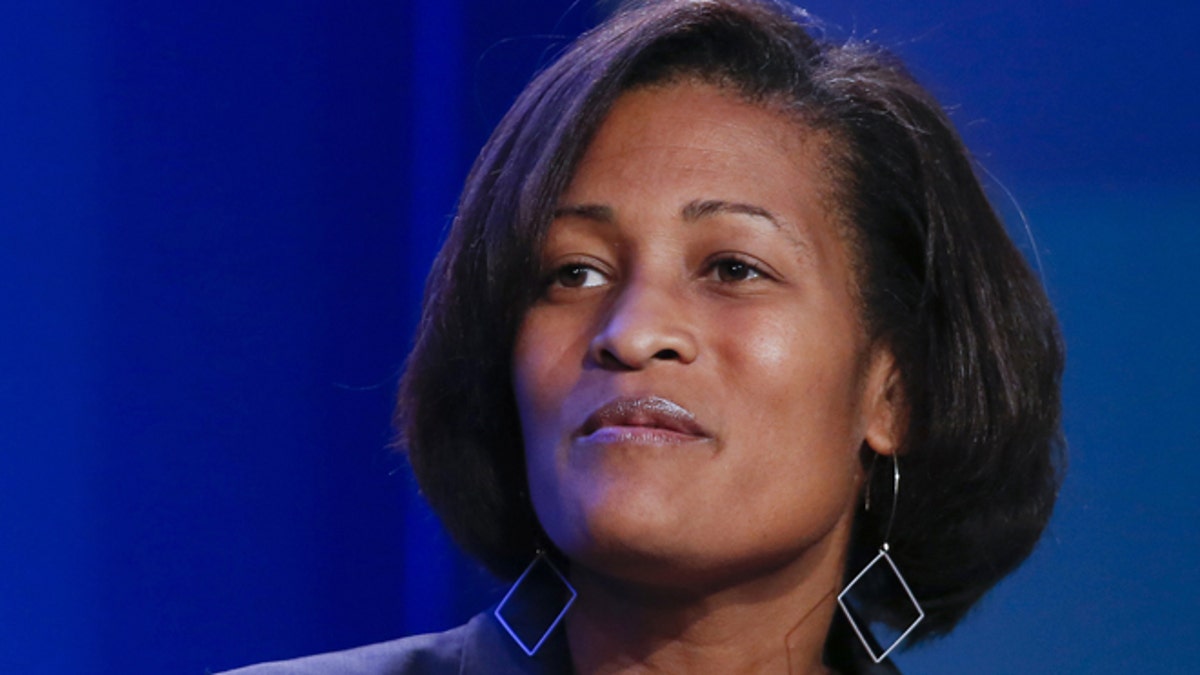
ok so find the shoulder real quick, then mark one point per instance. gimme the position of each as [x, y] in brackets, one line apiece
[479, 647]
[435, 653]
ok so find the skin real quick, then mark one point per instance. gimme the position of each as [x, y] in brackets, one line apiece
[695, 258]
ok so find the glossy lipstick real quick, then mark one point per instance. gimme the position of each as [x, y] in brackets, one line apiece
[646, 420]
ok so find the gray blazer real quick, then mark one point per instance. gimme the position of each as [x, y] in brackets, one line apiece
[479, 646]
[482, 646]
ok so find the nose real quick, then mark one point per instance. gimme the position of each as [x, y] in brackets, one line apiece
[646, 323]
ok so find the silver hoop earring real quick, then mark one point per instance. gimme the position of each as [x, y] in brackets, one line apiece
[535, 604]
[860, 629]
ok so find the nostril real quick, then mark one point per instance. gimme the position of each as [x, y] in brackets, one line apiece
[667, 355]
[609, 360]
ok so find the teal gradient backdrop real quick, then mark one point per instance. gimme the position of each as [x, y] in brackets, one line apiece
[215, 221]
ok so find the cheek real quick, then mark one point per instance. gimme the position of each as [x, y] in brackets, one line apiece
[767, 355]
[535, 392]
[547, 357]
[541, 383]
[801, 374]
[526, 374]
[535, 353]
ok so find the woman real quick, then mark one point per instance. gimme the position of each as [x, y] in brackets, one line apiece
[727, 340]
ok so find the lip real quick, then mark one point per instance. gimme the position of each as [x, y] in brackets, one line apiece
[650, 419]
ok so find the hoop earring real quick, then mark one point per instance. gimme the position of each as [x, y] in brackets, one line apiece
[541, 585]
[862, 631]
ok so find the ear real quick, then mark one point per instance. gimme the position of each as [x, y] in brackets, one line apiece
[885, 412]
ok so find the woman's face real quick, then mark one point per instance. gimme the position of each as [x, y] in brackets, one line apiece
[694, 383]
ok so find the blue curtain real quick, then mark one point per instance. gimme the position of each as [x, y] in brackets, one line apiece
[215, 222]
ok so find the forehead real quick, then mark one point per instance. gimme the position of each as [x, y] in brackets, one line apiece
[673, 107]
[708, 139]
[693, 111]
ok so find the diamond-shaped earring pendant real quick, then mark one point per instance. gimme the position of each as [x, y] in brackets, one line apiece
[536, 603]
[863, 631]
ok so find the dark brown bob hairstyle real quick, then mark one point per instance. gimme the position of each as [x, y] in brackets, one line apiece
[941, 284]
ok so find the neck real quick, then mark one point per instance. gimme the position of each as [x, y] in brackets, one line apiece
[774, 622]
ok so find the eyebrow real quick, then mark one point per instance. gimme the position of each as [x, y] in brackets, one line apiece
[697, 210]
[692, 211]
[595, 212]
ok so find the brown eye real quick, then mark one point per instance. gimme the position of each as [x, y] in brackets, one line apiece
[732, 269]
[578, 276]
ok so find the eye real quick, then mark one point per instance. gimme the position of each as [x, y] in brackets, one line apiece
[730, 269]
[577, 275]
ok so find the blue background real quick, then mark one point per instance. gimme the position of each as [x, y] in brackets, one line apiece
[215, 219]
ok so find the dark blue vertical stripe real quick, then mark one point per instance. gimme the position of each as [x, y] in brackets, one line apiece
[47, 304]
[438, 83]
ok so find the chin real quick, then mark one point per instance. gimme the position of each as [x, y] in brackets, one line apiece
[641, 542]
[678, 573]
[651, 554]
[620, 537]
